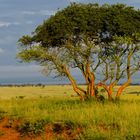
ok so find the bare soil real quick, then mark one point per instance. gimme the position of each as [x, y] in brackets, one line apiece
[8, 131]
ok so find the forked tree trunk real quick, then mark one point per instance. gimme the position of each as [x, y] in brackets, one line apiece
[120, 90]
[110, 89]
[127, 83]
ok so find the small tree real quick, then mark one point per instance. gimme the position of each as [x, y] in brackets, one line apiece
[74, 38]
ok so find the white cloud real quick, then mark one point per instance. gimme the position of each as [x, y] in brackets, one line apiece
[4, 24]
[28, 13]
[74, 0]
[1, 50]
[7, 24]
[41, 12]
[47, 12]
[133, 1]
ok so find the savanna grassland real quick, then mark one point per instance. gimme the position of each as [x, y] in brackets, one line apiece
[55, 112]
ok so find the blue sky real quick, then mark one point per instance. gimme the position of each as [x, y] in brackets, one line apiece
[20, 17]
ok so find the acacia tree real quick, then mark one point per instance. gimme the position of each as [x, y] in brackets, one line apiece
[73, 38]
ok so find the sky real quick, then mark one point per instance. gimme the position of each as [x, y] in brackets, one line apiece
[21, 17]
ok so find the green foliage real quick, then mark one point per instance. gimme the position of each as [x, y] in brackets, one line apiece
[26, 40]
[85, 19]
[30, 128]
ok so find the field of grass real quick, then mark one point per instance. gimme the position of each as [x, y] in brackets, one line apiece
[58, 109]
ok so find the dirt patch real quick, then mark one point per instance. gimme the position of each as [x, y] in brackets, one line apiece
[66, 131]
[8, 131]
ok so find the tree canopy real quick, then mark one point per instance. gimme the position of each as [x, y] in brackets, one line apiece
[87, 37]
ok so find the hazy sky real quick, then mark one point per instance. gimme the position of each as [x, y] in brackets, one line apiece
[20, 17]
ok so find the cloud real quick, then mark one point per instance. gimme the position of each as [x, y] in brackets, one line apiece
[41, 12]
[4, 24]
[133, 1]
[74, 0]
[47, 12]
[7, 24]
[28, 13]
[1, 50]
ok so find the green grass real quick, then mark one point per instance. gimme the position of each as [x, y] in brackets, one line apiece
[103, 121]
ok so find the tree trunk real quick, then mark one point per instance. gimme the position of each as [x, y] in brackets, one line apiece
[120, 90]
[78, 90]
[110, 89]
[92, 89]
[127, 83]
[90, 79]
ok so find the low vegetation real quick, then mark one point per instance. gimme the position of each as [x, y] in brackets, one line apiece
[53, 113]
